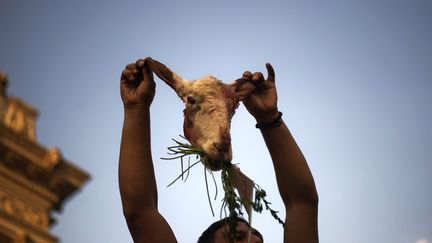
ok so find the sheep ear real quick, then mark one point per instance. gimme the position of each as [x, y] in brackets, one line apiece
[169, 77]
[242, 88]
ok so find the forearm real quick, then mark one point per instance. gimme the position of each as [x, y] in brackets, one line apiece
[294, 179]
[136, 174]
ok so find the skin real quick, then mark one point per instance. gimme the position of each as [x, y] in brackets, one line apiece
[136, 174]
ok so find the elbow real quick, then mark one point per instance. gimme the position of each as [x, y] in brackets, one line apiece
[311, 195]
[313, 198]
[134, 204]
[308, 197]
[130, 216]
[136, 222]
[136, 218]
[132, 211]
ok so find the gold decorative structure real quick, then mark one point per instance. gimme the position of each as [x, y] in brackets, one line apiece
[34, 180]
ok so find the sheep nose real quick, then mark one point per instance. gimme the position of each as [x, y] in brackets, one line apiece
[223, 152]
[221, 148]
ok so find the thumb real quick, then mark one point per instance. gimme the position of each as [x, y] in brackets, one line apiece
[146, 70]
[271, 73]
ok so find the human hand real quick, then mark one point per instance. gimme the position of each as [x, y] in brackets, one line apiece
[137, 86]
[262, 104]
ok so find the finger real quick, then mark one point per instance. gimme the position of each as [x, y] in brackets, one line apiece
[130, 66]
[147, 72]
[257, 77]
[247, 75]
[133, 68]
[122, 77]
[127, 74]
[144, 64]
[139, 64]
[136, 73]
[243, 88]
[271, 73]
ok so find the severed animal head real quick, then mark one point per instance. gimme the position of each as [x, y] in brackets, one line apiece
[210, 105]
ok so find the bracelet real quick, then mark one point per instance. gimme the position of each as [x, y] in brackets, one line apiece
[275, 123]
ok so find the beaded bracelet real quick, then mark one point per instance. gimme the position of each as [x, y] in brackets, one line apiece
[275, 123]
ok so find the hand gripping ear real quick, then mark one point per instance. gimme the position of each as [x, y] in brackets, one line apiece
[243, 88]
[169, 77]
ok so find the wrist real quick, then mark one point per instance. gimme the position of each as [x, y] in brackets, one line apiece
[136, 111]
[276, 121]
[266, 117]
[136, 107]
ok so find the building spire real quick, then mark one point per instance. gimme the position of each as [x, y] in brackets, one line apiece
[3, 83]
[3, 94]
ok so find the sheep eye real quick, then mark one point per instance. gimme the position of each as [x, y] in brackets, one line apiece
[191, 100]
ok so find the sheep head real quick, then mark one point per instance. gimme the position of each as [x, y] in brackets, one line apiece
[209, 106]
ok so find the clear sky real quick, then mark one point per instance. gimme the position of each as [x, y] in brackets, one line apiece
[354, 81]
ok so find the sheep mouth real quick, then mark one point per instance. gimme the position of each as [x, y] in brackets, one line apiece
[213, 158]
[216, 165]
[218, 155]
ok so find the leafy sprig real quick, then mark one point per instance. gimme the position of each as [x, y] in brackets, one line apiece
[231, 201]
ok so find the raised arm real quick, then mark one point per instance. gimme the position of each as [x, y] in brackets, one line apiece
[136, 174]
[294, 179]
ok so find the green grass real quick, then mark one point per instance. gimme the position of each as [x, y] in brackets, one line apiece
[231, 200]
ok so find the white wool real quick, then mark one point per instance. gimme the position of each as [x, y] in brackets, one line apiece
[213, 116]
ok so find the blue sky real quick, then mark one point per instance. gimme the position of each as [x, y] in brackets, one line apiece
[354, 80]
